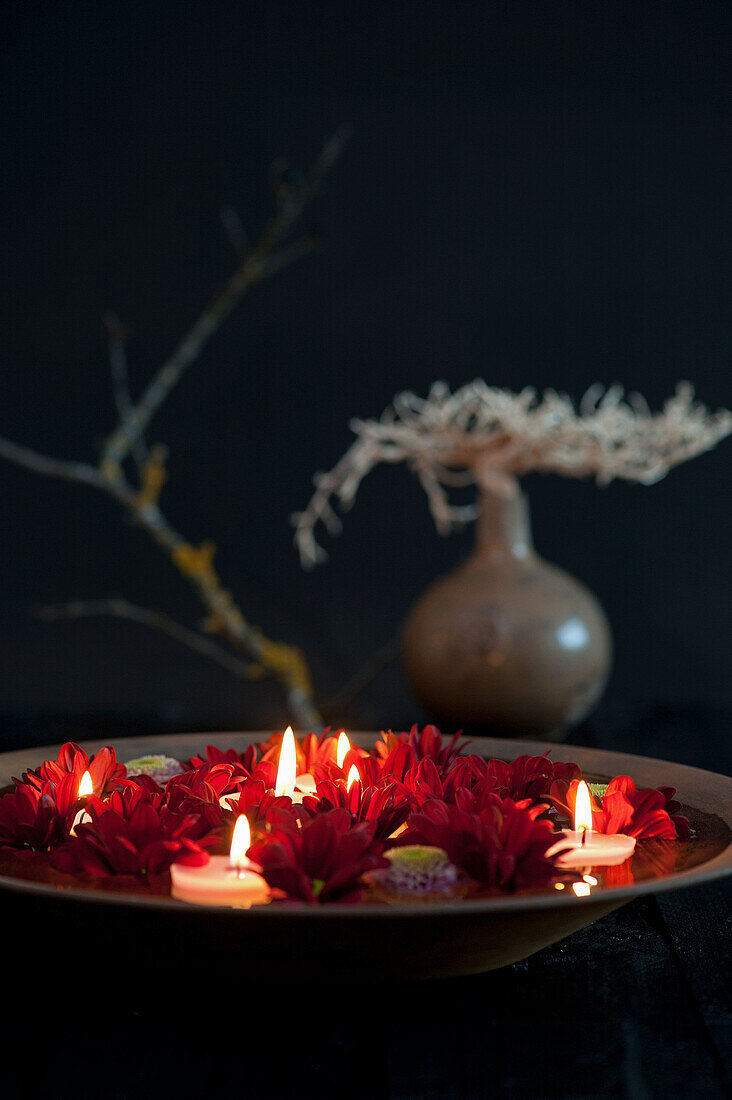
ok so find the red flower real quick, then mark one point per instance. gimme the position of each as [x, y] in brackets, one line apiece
[393, 762]
[385, 808]
[424, 782]
[428, 743]
[198, 792]
[672, 807]
[530, 776]
[213, 755]
[323, 860]
[132, 834]
[642, 814]
[503, 846]
[106, 773]
[39, 817]
[260, 804]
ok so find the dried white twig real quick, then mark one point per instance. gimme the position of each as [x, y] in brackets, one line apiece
[488, 436]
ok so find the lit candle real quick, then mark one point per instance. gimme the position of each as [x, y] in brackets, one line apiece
[288, 782]
[224, 880]
[86, 787]
[589, 848]
[342, 748]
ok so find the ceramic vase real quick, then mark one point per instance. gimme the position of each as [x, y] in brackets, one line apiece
[507, 643]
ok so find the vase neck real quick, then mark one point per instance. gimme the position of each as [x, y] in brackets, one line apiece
[503, 526]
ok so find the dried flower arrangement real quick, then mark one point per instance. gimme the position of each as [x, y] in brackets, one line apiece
[489, 437]
[239, 646]
[413, 819]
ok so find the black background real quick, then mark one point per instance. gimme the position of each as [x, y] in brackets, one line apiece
[536, 194]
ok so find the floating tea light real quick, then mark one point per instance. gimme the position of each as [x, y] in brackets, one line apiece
[224, 880]
[589, 848]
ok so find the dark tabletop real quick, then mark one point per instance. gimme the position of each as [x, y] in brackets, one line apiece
[636, 1005]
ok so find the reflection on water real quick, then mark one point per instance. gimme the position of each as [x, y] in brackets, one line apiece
[651, 859]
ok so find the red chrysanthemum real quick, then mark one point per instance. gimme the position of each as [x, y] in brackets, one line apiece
[198, 791]
[624, 809]
[530, 776]
[39, 817]
[672, 807]
[213, 755]
[106, 773]
[324, 860]
[132, 834]
[469, 773]
[386, 808]
[427, 743]
[260, 804]
[502, 847]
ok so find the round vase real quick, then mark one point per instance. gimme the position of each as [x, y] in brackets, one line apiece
[506, 642]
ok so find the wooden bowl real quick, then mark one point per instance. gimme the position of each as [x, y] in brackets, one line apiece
[174, 943]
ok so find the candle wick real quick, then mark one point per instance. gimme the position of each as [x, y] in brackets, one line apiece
[584, 835]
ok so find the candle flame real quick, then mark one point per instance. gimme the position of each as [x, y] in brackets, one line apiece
[240, 841]
[287, 767]
[353, 777]
[583, 812]
[343, 748]
[86, 787]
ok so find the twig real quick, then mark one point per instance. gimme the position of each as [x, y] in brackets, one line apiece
[156, 620]
[117, 349]
[284, 662]
[252, 269]
[52, 467]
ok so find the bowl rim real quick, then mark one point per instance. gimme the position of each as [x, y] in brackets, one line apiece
[709, 792]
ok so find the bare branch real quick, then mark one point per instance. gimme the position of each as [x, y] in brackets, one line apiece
[283, 662]
[253, 268]
[51, 467]
[117, 348]
[155, 620]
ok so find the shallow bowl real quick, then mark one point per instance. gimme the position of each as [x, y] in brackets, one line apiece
[365, 942]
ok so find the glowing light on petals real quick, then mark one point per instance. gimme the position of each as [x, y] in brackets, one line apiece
[583, 813]
[582, 889]
[86, 787]
[240, 841]
[287, 767]
[343, 748]
[353, 777]
[590, 880]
